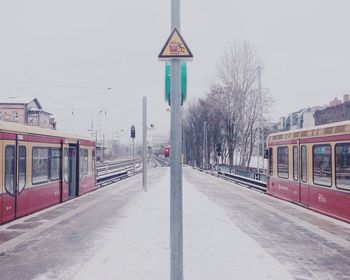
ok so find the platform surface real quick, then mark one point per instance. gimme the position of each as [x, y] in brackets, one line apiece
[121, 232]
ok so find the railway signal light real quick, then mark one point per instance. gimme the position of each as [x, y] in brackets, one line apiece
[218, 149]
[132, 131]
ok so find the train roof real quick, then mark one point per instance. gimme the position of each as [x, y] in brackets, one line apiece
[320, 130]
[26, 129]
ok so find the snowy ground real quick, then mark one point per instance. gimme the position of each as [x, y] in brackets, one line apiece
[137, 247]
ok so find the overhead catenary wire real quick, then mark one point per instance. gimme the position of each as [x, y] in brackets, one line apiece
[32, 93]
[71, 108]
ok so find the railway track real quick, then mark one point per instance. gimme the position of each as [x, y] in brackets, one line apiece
[108, 173]
[162, 162]
[245, 181]
[107, 167]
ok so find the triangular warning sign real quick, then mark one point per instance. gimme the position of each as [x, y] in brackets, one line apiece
[175, 47]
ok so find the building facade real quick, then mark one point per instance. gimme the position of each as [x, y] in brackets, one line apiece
[26, 111]
[337, 111]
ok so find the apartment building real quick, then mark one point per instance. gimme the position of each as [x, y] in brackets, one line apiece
[26, 111]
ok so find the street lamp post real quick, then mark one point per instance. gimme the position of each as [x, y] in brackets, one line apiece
[144, 143]
[261, 127]
[133, 134]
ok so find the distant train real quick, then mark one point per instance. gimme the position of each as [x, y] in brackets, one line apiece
[42, 167]
[166, 151]
[311, 167]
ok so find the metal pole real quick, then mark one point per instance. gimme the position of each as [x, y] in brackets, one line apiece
[205, 143]
[144, 164]
[217, 163]
[103, 147]
[133, 155]
[217, 156]
[116, 147]
[176, 234]
[261, 126]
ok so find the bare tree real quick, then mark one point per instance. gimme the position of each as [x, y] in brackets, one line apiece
[236, 79]
[193, 131]
[230, 109]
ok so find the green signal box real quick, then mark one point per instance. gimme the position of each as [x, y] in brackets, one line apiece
[183, 82]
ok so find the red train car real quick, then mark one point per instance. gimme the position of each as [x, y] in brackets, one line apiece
[311, 167]
[42, 167]
[166, 151]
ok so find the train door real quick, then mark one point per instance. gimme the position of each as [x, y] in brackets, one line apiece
[65, 172]
[21, 172]
[9, 198]
[73, 170]
[303, 182]
[296, 177]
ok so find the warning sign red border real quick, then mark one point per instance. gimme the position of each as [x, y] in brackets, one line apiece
[175, 48]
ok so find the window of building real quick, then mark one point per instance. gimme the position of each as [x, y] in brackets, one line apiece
[270, 162]
[303, 164]
[10, 169]
[33, 119]
[322, 165]
[282, 162]
[342, 166]
[85, 162]
[295, 119]
[22, 169]
[14, 116]
[40, 170]
[55, 164]
[295, 163]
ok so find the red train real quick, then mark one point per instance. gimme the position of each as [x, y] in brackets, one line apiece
[42, 167]
[166, 151]
[311, 167]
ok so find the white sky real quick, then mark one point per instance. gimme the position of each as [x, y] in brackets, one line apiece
[68, 52]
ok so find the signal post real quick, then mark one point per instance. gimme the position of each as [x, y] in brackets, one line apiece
[176, 51]
[133, 135]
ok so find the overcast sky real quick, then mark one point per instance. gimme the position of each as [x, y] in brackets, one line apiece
[69, 52]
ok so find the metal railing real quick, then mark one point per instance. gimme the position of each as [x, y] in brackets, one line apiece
[238, 179]
[249, 182]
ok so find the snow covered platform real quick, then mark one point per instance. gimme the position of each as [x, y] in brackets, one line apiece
[230, 232]
[214, 248]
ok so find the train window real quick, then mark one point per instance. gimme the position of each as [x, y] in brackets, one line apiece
[55, 164]
[303, 164]
[22, 159]
[85, 162]
[282, 162]
[322, 165]
[295, 163]
[342, 166]
[10, 169]
[40, 170]
[65, 165]
[270, 161]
